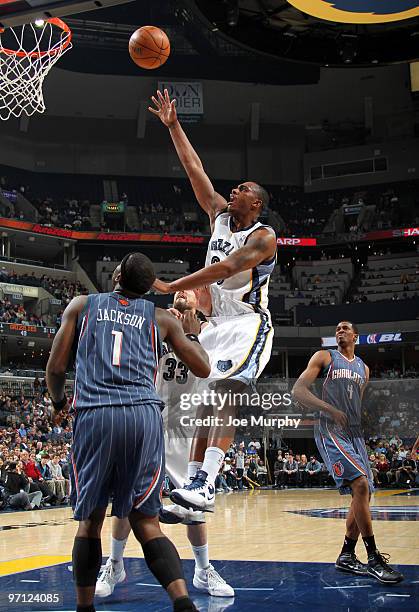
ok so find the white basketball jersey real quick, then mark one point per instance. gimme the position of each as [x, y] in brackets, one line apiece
[173, 379]
[246, 291]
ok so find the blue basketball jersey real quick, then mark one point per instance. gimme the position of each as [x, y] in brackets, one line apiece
[117, 353]
[342, 386]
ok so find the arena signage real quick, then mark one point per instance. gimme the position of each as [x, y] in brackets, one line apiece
[359, 11]
[20, 289]
[297, 241]
[382, 338]
[10, 195]
[102, 236]
[392, 233]
[189, 98]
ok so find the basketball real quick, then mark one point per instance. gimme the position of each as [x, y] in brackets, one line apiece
[149, 47]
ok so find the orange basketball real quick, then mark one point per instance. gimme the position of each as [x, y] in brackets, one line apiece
[149, 47]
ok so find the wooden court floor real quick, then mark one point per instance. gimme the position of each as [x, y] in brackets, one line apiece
[262, 525]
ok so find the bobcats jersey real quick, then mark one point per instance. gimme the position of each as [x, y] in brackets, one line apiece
[117, 352]
[343, 384]
[246, 291]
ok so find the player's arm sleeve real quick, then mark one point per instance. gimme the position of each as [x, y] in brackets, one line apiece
[301, 390]
[191, 353]
[62, 347]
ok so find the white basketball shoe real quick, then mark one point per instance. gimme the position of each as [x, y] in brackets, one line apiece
[209, 580]
[111, 575]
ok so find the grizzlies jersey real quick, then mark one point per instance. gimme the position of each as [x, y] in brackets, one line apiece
[117, 352]
[173, 379]
[343, 384]
[246, 291]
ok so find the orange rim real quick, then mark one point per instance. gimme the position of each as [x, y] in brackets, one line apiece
[54, 21]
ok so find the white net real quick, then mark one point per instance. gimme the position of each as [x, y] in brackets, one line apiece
[27, 54]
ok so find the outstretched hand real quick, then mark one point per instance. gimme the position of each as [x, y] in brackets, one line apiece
[162, 287]
[165, 108]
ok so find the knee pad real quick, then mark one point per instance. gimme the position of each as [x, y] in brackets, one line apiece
[163, 560]
[87, 559]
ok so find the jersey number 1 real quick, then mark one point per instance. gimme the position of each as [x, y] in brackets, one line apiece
[117, 348]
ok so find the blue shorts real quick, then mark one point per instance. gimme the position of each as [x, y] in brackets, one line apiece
[345, 456]
[117, 452]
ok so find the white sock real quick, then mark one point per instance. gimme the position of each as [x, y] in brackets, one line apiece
[201, 556]
[212, 462]
[117, 550]
[193, 467]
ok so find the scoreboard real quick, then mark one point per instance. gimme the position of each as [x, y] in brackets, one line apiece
[31, 331]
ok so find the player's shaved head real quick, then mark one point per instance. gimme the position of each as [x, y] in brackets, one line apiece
[261, 194]
[353, 325]
[135, 273]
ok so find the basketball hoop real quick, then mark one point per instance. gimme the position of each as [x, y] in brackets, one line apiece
[27, 54]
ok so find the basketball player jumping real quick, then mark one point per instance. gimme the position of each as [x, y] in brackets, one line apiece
[240, 259]
[173, 379]
[118, 431]
[340, 441]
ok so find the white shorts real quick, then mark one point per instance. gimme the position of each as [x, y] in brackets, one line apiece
[177, 457]
[239, 347]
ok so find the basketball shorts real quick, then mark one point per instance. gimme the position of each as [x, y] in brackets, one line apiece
[345, 457]
[176, 459]
[239, 347]
[117, 452]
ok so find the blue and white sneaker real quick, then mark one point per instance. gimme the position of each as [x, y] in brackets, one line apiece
[198, 495]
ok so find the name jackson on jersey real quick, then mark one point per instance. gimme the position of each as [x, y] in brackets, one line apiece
[118, 316]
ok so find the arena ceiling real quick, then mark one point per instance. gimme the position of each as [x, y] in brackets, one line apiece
[266, 41]
[339, 32]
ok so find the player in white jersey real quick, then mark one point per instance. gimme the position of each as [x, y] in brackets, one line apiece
[241, 257]
[173, 378]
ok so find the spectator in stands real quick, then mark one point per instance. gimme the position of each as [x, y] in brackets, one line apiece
[46, 475]
[313, 469]
[231, 452]
[302, 473]
[393, 471]
[382, 466]
[235, 478]
[374, 470]
[262, 473]
[36, 482]
[278, 467]
[252, 472]
[220, 481]
[289, 472]
[408, 471]
[62, 486]
[2, 471]
[15, 489]
[239, 462]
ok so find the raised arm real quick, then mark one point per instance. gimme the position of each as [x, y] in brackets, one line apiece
[301, 390]
[260, 247]
[191, 353]
[211, 201]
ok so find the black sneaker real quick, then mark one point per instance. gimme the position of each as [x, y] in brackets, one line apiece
[379, 568]
[349, 562]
